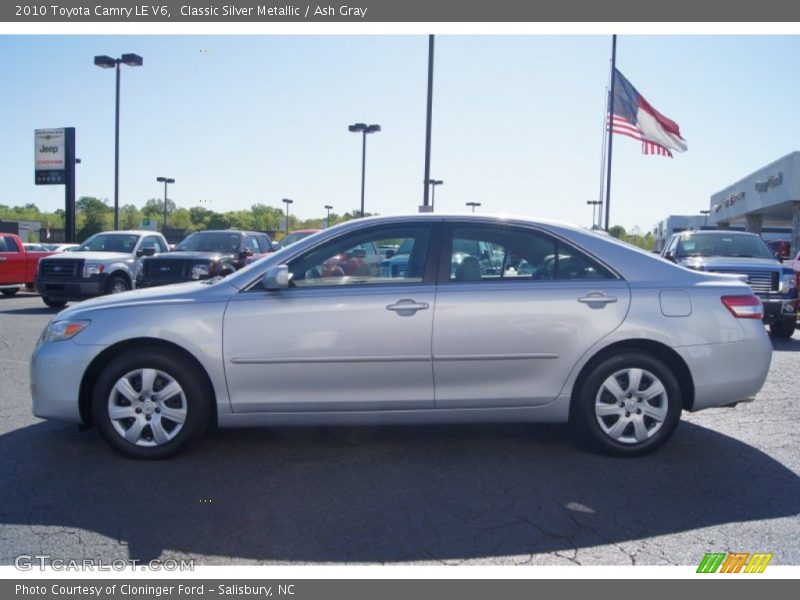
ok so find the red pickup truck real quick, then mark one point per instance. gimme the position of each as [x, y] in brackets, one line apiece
[17, 267]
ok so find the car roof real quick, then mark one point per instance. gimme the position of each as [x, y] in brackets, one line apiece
[240, 231]
[715, 232]
[131, 232]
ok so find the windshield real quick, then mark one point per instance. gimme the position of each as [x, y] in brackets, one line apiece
[705, 244]
[110, 242]
[294, 237]
[210, 242]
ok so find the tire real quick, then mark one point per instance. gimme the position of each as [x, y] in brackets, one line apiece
[57, 304]
[151, 429]
[8, 292]
[783, 328]
[117, 284]
[29, 286]
[627, 426]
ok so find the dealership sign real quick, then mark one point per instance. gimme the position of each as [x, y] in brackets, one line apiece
[771, 182]
[50, 158]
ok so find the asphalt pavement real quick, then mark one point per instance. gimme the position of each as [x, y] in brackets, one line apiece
[495, 494]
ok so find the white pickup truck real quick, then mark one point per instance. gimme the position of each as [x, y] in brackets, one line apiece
[106, 263]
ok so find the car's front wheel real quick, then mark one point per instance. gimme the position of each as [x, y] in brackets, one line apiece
[150, 404]
[628, 405]
[9, 291]
[57, 304]
[783, 328]
[117, 284]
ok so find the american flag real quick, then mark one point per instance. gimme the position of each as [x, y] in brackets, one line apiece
[636, 118]
[622, 127]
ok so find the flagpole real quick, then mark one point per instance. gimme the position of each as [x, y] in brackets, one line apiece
[611, 125]
[598, 222]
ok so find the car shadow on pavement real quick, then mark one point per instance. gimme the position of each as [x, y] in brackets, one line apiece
[787, 345]
[44, 310]
[383, 494]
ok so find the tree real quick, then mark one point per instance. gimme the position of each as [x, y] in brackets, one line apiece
[154, 208]
[129, 217]
[617, 231]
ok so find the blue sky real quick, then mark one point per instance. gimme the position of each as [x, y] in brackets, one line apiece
[517, 120]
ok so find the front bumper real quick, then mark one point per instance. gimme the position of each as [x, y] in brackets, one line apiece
[56, 371]
[776, 310]
[72, 289]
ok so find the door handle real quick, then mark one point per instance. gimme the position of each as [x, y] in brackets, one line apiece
[597, 298]
[407, 305]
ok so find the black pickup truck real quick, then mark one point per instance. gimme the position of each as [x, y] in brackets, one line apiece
[203, 255]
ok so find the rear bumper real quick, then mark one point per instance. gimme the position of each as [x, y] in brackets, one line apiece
[729, 372]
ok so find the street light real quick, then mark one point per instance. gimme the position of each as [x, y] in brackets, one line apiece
[287, 202]
[593, 204]
[165, 181]
[106, 62]
[328, 207]
[473, 205]
[364, 129]
[433, 183]
[706, 213]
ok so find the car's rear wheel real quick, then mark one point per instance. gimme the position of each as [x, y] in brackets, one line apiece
[57, 304]
[150, 404]
[117, 284]
[628, 405]
[9, 291]
[783, 328]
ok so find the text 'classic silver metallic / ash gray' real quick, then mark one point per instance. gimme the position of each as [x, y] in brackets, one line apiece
[413, 319]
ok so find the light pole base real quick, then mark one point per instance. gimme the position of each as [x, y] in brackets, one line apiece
[425, 209]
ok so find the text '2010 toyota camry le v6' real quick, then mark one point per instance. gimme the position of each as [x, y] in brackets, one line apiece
[558, 324]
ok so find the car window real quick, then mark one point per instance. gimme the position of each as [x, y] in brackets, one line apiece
[8, 244]
[715, 244]
[501, 253]
[251, 243]
[110, 242]
[263, 244]
[152, 241]
[353, 260]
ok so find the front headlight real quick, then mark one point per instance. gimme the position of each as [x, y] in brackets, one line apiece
[57, 331]
[788, 282]
[199, 271]
[90, 269]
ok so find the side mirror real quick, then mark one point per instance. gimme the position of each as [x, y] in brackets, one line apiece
[669, 256]
[390, 253]
[150, 251]
[276, 278]
[247, 252]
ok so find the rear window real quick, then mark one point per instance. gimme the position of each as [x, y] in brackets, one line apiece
[704, 244]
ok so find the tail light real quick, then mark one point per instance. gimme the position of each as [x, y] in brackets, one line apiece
[744, 307]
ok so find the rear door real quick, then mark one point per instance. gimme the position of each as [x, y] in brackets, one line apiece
[12, 261]
[510, 336]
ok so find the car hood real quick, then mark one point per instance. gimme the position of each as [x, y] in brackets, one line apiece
[192, 255]
[190, 292]
[710, 263]
[92, 256]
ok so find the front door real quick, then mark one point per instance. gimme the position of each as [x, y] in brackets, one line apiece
[345, 336]
[12, 261]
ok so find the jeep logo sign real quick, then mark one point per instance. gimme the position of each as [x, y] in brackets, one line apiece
[49, 156]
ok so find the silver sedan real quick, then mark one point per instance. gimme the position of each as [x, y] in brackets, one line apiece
[471, 319]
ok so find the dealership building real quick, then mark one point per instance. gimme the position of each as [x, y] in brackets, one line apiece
[765, 201]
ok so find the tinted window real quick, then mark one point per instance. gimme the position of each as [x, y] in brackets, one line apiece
[8, 244]
[217, 241]
[499, 253]
[353, 260]
[250, 243]
[263, 244]
[152, 241]
[110, 242]
[709, 244]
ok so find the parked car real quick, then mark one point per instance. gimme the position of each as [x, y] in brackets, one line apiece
[744, 254]
[294, 236]
[18, 264]
[106, 263]
[62, 247]
[202, 255]
[619, 351]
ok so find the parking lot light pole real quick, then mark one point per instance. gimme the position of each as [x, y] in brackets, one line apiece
[705, 221]
[593, 204]
[364, 129]
[165, 180]
[287, 202]
[328, 207]
[106, 62]
[473, 205]
[433, 183]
